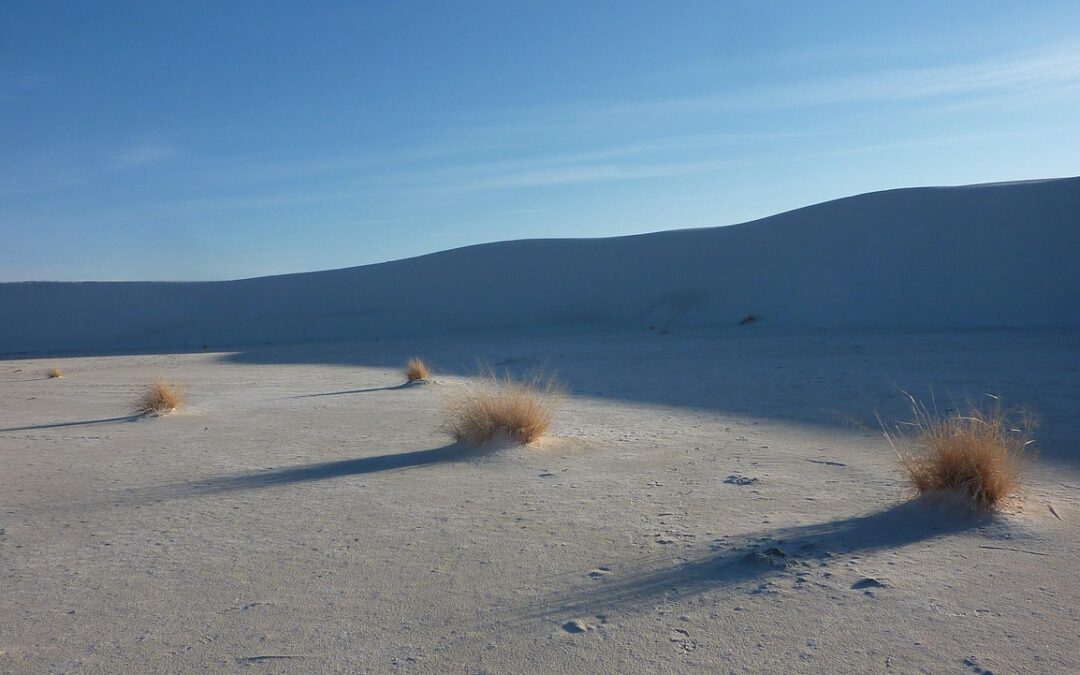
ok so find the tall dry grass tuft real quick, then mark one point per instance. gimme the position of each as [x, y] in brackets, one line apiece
[54, 372]
[161, 398]
[416, 370]
[523, 410]
[980, 455]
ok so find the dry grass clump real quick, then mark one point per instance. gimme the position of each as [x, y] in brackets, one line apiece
[980, 455]
[521, 410]
[416, 370]
[54, 372]
[161, 398]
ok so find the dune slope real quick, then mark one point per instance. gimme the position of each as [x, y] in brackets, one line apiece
[1000, 255]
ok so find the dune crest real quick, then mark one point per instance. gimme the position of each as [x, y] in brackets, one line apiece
[1000, 255]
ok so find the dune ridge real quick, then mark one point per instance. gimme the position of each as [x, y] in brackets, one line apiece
[997, 255]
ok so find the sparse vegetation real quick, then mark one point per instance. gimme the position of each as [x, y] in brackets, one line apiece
[161, 398]
[416, 370]
[980, 455]
[523, 410]
[54, 372]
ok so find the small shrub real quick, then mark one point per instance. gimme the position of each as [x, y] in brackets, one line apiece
[54, 372]
[521, 410]
[416, 370]
[979, 455]
[161, 398]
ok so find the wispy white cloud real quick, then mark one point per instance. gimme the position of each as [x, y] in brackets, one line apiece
[1027, 78]
[445, 168]
[57, 168]
[1052, 72]
[1044, 71]
[924, 142]
[15, 86]
[637, 159]
[141, 153]
[518, 148]
[572, 174]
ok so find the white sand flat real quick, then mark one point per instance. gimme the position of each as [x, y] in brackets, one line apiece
[303, 514]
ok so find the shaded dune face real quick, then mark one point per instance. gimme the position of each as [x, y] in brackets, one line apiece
[980, 256]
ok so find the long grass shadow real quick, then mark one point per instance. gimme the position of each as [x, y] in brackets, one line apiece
[403, 385]
[319, 471]
[750, 558]
[347, 467]
[81, 423]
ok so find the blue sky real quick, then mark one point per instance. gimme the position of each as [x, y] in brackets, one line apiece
[190, 140]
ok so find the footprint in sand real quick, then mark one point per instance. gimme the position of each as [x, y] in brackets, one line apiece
[739, 479]
[575, 626]
[868, 586]
[970, 662]
[681, 638]
[868, 582]
[826, 462]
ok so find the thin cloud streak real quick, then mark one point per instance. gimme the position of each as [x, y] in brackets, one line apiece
[592, 173]
[59, 168]
[1048, 73]
[142, 154]
[447, 165]
[407, 172]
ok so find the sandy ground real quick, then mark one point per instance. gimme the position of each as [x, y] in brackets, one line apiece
[710, 502]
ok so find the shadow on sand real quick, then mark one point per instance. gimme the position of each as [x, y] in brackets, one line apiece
[829, 379]
[755, 557]
[403, 385]
[81, 423]
[304, 473]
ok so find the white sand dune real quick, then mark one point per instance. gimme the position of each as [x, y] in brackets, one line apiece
[1000, 255]
[300, 517]
[709, 500]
